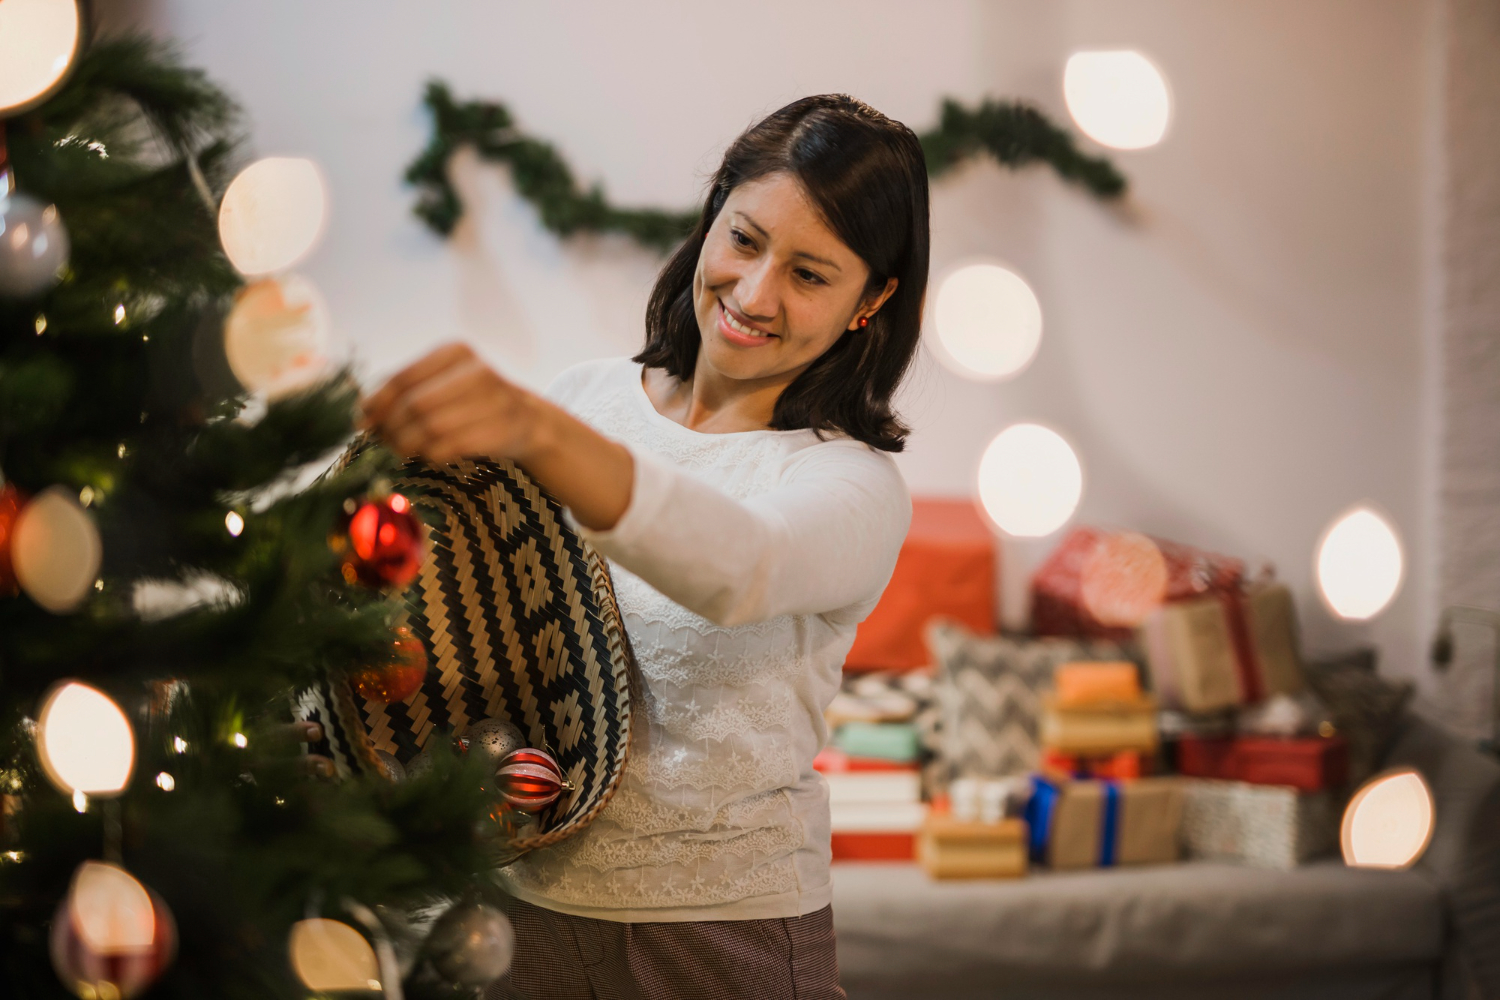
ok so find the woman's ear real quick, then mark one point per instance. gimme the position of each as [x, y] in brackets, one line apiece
[871, 304]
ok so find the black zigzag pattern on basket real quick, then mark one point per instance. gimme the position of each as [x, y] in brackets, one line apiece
[518, 616]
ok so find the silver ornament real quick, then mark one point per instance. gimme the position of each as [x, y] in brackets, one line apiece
[33, 246]
[492, 740]
[390, 768]
[420, 764]
[471, 945]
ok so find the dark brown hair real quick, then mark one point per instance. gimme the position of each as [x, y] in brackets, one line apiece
[867, 176]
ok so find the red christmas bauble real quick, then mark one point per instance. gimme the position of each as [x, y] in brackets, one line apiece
[111, 937]
[529, 780]
[382, 544]
[11, 502]
[397, 681]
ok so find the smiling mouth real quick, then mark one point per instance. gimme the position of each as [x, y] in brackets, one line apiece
[738, 330]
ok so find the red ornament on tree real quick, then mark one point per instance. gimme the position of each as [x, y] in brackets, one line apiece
[397, 681]
[11, 502]
[529, 780]
[382, 544]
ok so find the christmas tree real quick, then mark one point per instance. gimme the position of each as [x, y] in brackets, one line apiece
[169, 578]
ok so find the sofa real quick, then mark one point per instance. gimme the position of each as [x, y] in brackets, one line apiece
[1202, 929]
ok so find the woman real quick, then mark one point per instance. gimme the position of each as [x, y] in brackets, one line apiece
[736, 474]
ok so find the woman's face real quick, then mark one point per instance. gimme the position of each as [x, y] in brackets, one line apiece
[775, 288]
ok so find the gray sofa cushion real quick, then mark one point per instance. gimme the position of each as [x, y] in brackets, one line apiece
[1463, 860]
[1149, 924]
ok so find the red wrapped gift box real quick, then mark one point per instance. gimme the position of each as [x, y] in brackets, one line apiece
[946, 568]
[1058, 605]
[1308, 764]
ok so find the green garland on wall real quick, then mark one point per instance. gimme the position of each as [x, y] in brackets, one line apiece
[1015, 134]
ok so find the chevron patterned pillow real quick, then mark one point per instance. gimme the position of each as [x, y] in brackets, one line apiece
[989, 691]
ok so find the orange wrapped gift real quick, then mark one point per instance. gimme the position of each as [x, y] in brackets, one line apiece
[946, 569]
[1094, 683]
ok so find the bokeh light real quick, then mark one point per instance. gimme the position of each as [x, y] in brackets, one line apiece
[84, 741]
[331, 955]
[1389, 822]
[56, 550]
[278, 336]
[112, 912]
[273, 214]
[38, 42]
[1124, 579]
[1030, 480]
[1118, 98]
[988, 322]
[1359, 565]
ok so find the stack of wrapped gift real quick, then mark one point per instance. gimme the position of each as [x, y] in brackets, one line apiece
[875, 806]
[977, 831]
[1097, 722]
[1086, 824]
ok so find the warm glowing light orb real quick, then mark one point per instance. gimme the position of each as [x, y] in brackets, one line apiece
[234, 523]
[84, 741]
[278, 337]
[331, 955]
[1389, 822]
[1118, 98]
[1030, 480]
[1124, 579]
[111, 910]
[38, 42]
[988, 322]
[1359, 565]
[56, 550]
[272, 214]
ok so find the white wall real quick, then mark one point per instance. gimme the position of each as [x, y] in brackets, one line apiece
[1237, 354]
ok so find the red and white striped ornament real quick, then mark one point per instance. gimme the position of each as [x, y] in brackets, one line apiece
[529, 780]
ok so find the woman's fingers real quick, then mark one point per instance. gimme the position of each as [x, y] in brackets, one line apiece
[433, 363]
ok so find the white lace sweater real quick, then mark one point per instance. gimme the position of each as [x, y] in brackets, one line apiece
[742, 565]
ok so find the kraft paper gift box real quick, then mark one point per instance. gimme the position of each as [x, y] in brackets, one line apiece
[1263, 826]
[953, 848]
[1058, 605]
[1306, 763]
[1234, 648]
[1088, 824]
[1096, 730]
[946, 569]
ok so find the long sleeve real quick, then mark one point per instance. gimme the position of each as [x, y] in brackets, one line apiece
[824, 541]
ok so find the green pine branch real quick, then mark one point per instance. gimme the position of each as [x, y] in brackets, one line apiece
[1015, 134]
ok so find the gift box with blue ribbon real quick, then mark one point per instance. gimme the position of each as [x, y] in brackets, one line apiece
[1088, 824]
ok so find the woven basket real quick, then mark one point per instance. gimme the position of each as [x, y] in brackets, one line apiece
[519, 619]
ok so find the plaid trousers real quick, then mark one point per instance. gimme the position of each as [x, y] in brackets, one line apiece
[579, 958]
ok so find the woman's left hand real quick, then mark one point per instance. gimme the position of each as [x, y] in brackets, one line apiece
[449, 405]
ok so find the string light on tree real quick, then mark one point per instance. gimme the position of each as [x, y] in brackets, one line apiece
[56, 550]
[1389, 822]
[84, 741]
[273, 214]
[278, 337]
[1030, 480]
[1359, 565]
[39, 41]
[988, 322]
[1118, 98]
[111, 937]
